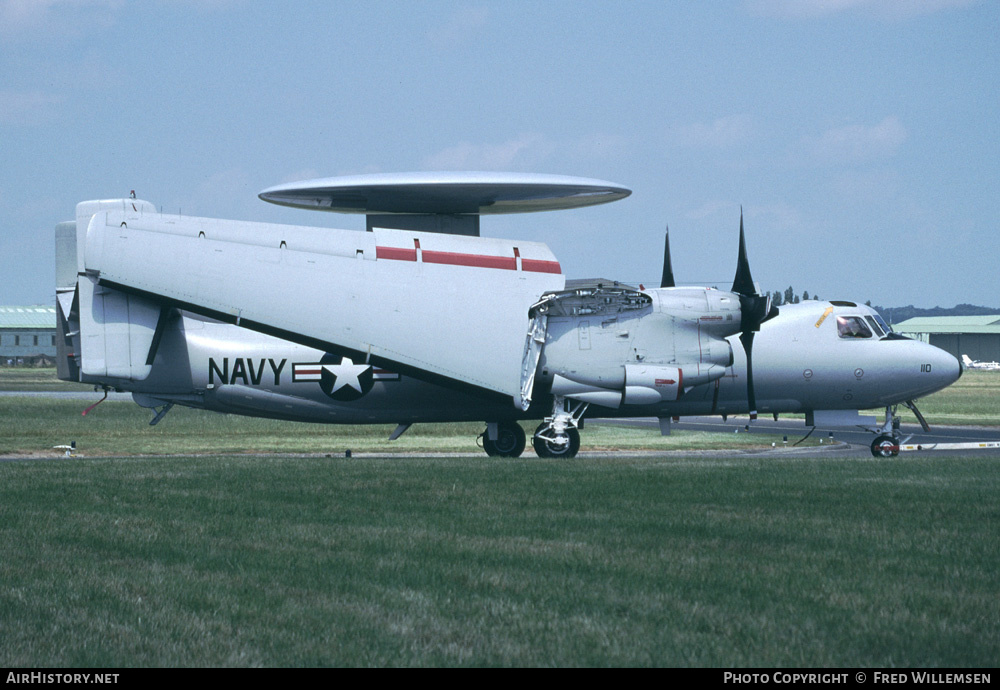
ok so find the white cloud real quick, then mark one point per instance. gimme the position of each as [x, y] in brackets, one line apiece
[523, 152]
[721, 133]
[853, 143]
[17, 15]
[893, 10]
[59, 16]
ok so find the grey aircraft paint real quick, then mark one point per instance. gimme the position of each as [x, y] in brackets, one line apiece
[405, 326]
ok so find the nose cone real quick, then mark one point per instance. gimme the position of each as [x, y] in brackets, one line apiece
[937, 369]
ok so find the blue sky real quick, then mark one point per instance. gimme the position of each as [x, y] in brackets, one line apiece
[860, 137]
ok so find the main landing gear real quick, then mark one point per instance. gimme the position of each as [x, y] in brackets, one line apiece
[558, 436]
[509, 440]
[549, 443]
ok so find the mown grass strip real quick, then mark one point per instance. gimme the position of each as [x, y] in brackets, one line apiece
[34, 425]
[314, 561]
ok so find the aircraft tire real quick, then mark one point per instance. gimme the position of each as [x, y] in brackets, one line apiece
[510, 441]
[882, 447]
[547, 449]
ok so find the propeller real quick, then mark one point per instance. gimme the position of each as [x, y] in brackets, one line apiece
[755, 309]
[667, 281]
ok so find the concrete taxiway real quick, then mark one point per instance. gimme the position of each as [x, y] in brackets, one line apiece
[844, 440]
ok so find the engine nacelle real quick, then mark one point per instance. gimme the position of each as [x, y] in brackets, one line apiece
[611, 345]
[715, 312]
[643, 384]
[648, 384]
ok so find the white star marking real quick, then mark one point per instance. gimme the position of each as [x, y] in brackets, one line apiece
[346, 374]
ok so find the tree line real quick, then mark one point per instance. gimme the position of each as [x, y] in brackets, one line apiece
[789, 297]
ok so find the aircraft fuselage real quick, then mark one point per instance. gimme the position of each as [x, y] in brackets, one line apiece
[802, 364]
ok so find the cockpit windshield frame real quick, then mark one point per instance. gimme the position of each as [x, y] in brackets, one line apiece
[878, 330]
[881, 322]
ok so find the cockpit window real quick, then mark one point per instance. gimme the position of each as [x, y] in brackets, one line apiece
[881, 322]
[875, 327]
[852, 327]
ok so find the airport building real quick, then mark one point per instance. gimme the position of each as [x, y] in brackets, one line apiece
[27, 335]
[976, 336]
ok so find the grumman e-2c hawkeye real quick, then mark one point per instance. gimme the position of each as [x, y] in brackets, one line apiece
[420, 319]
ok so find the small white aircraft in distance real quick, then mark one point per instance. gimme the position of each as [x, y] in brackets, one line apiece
[970, 363]
[420, 319]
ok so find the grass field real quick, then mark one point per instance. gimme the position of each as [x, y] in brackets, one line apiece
[294, 561]
[30, 379]
[247, 560]
[974, 400]
[34, 425]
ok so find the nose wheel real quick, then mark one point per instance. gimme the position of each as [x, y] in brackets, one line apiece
[885, 446]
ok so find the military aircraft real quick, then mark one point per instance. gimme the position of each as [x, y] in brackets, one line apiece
[421, 319]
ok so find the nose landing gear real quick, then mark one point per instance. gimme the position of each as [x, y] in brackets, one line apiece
[887, 444]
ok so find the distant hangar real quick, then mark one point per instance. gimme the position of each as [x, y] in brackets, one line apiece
[27, 335]
[976, 336]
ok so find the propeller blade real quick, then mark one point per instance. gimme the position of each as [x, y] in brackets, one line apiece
[743, 283]
[667, 281]
[755, 309]
[746, 338]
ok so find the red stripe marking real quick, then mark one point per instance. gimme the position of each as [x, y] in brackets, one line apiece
[507, 263]
[539, 266]
[477, 260]
[397, 253]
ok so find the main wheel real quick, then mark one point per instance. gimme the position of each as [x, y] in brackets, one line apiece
[510, 441]
[885, 446]
[548, 444]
